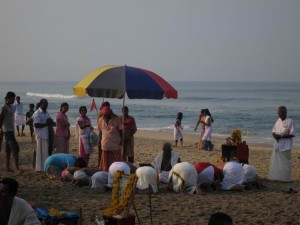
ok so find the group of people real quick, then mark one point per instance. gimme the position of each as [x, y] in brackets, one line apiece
[115, 132]
[206, 120]
[166, 168]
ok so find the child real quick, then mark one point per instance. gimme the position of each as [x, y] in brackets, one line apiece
[29, 122]
[178, 129]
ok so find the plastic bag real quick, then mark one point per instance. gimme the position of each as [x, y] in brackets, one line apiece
[93, 139]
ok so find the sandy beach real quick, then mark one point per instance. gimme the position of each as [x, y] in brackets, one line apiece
[270, 205]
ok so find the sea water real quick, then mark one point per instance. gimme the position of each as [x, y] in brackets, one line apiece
[248, 106]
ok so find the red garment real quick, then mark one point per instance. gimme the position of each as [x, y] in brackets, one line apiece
[129, 123]
[203, 165]
[108, 158]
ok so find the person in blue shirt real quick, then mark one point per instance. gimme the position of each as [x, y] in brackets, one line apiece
[56, 163]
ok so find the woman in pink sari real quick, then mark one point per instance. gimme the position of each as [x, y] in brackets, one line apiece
[83, 129]
[62, 135]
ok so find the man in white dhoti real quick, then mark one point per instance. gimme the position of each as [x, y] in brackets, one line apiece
[164, 162]
[147, 176]
[14, 210]
[281, 160]
[234, 176]
[183, 178]
[122, 166]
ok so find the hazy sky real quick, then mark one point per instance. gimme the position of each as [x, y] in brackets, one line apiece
[193, 40]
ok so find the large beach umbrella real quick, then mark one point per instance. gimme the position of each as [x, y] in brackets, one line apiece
[114, 81]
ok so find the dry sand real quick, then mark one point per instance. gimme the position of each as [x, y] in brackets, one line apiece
[270, 205]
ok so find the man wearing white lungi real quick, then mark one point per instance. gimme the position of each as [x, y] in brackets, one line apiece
[147, 175]
[122, 166]
[183, 178]
[41, 122]
[281, 160]
[234, 177]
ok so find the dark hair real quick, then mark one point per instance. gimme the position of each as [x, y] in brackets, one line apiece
[106, 104]
[167, 146]
[179, 115]
[125, 108]
[82, 107]
[10, 94]
[63, 105]
[208, 113]
[11, 183]
[80, 162]
[43, 101]
[220, 218]
[31, 105]
[37, 105]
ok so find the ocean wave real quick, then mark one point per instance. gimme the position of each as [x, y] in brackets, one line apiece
[47, 95]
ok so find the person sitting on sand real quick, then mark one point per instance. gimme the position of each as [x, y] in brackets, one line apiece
[55, 164]
[14, 210]
[147, 177]
[209, 176]
[234, 177]
[183, 178]
[164, 162]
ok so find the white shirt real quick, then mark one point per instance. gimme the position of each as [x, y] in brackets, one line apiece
[19, 108]
[22, 213]
[40, 116]
[282, 128]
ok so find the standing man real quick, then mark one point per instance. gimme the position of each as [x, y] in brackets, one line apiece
[110, 135]
[281, 159]
[41, 122]
[19, 116]
[129, 129]
[7, 126]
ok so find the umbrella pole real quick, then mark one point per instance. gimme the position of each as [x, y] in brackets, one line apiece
[123, 131]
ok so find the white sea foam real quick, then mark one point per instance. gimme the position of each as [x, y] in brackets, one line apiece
[47, 95]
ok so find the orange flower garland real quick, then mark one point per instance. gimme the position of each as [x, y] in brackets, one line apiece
[117, 205]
